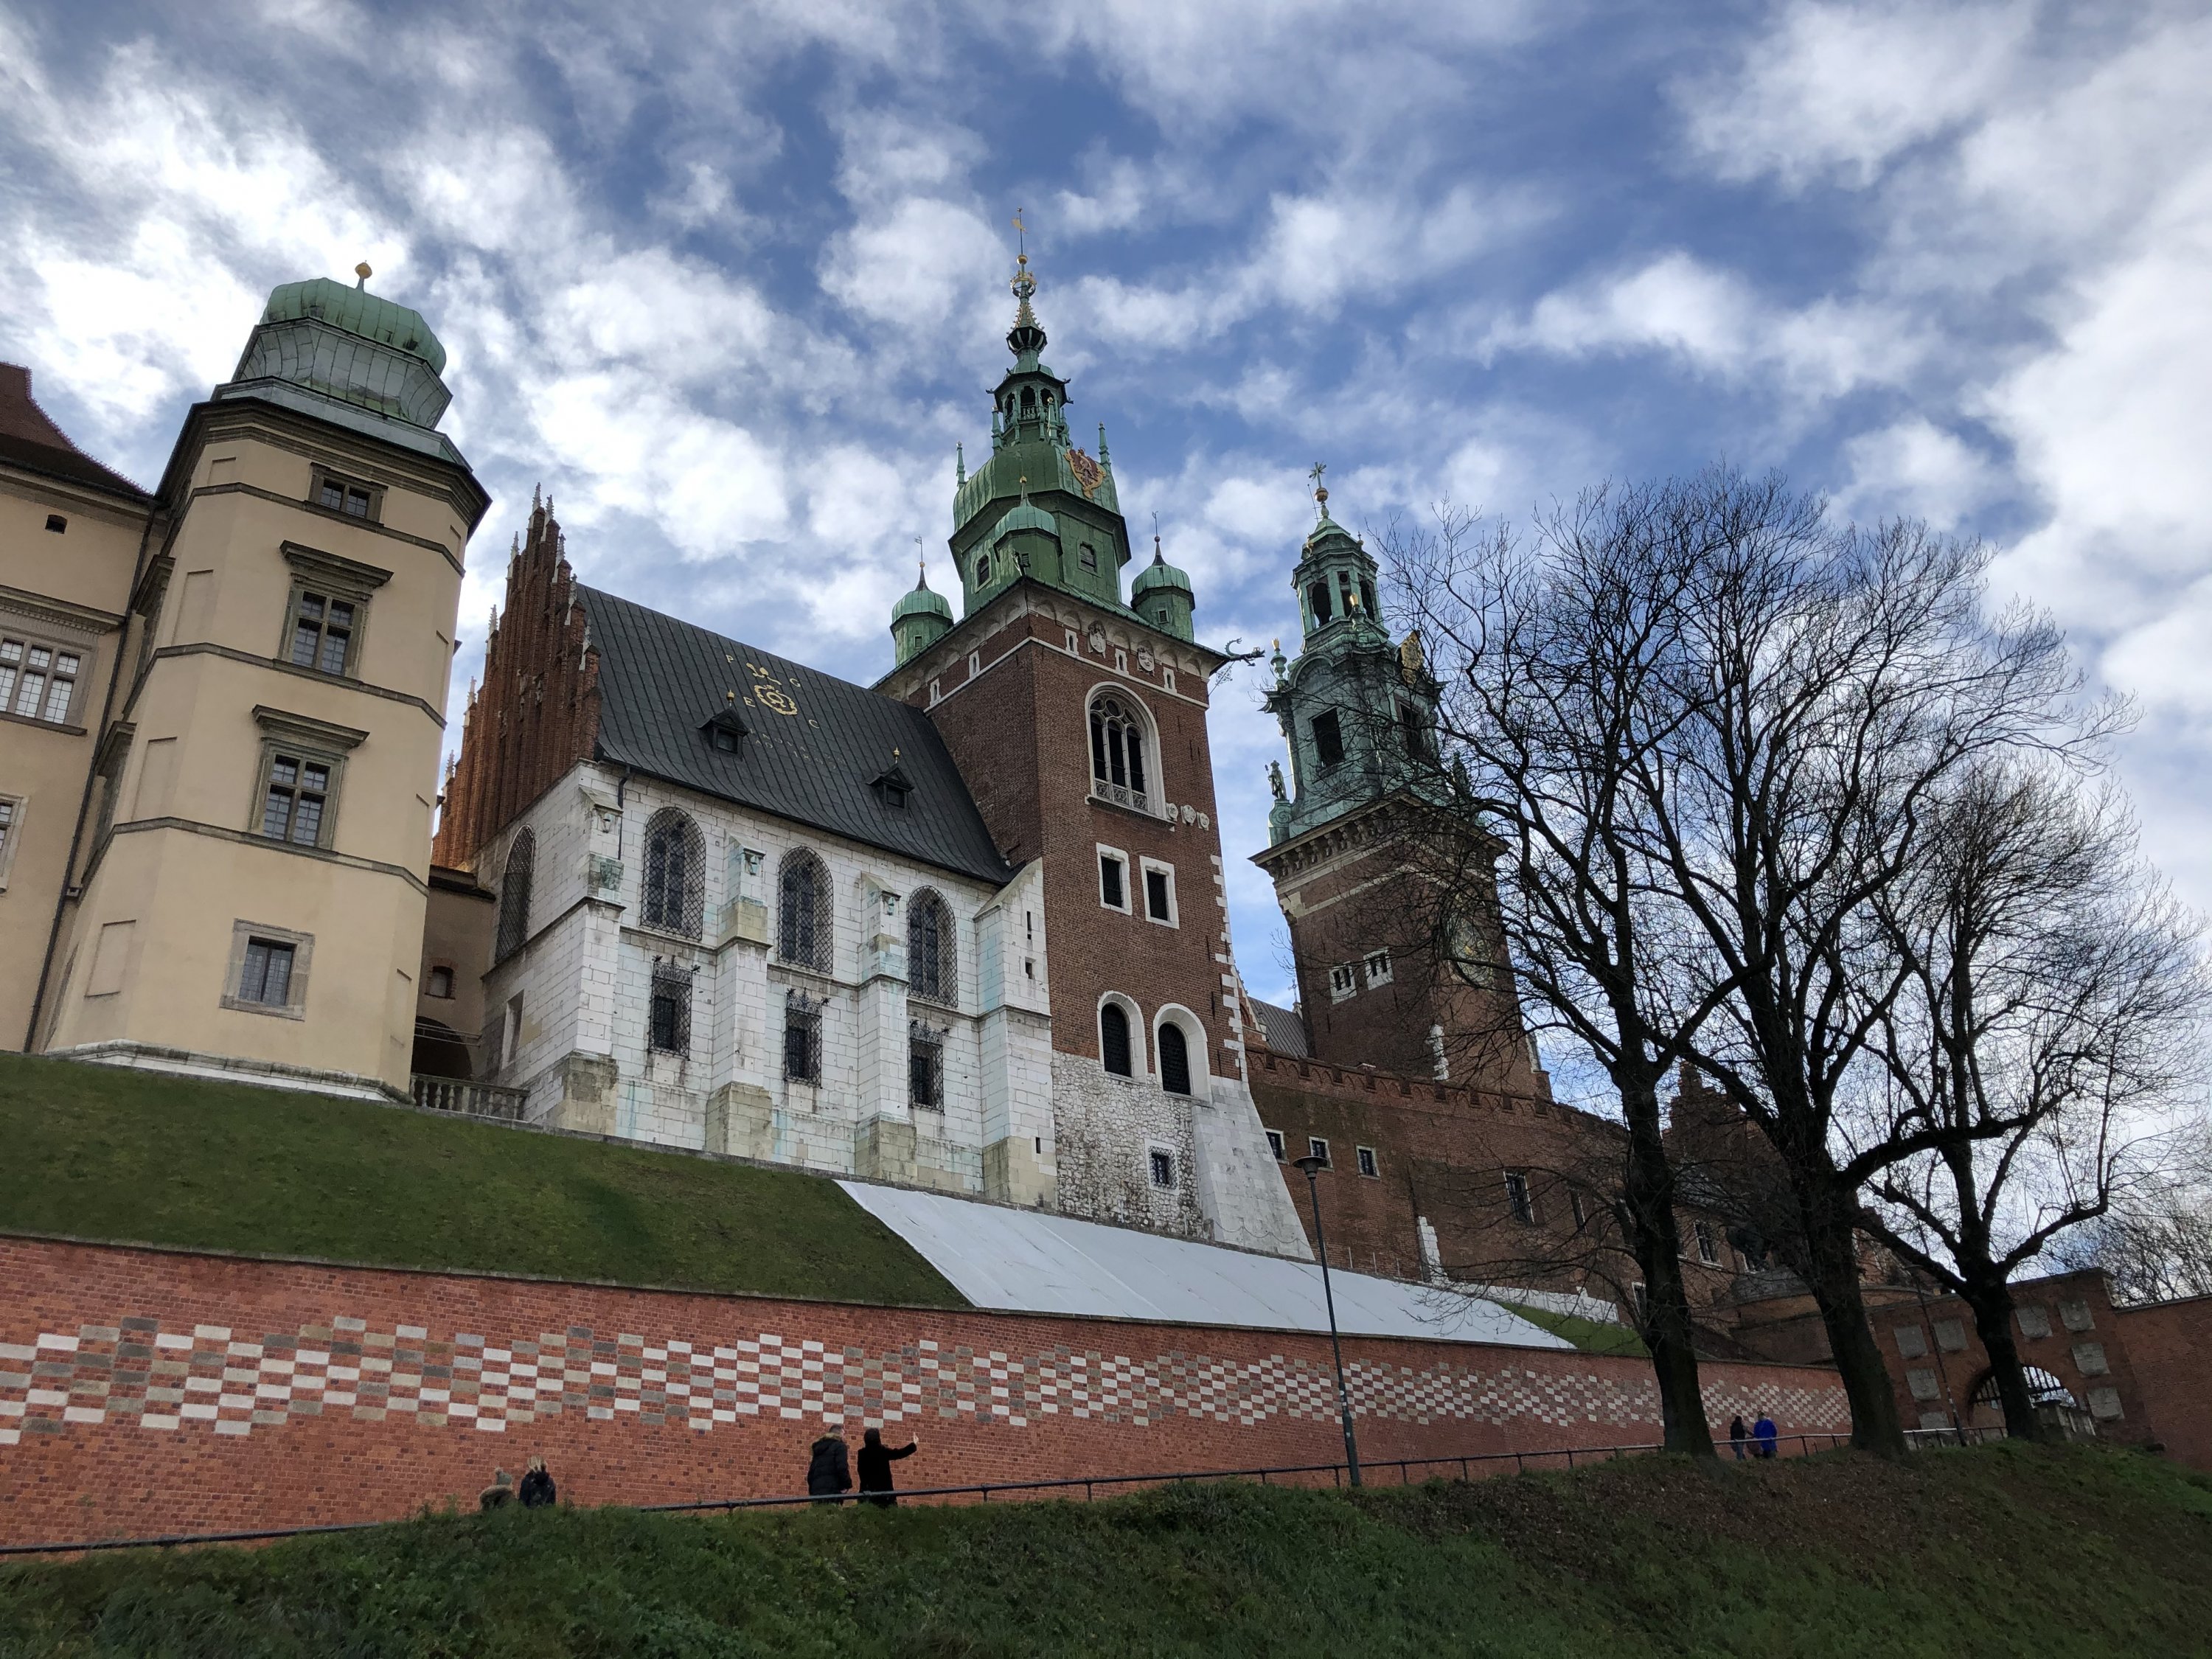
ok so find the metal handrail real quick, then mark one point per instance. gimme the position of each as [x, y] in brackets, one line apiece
[982, 1491]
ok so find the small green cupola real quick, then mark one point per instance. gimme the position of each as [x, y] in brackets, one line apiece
[348, 356]
[1162, 596]
[919, 620]
[1335, 576]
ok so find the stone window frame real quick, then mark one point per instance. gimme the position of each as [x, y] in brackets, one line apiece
[823, 919]
[1343, 980]
[925, 1064]
[1120, 857]
[58, 636]
[13, 809]
[1192, 1030]
[319, 476]
[1160, 1163]
[672, 900]
[1521, 1198]
[1374, 975]
[430, 981]
[243, 933]
[671, 983]
[313, 743]
[1149, 867]
[517, 871]
[1134, 1017]
[942, 990]
[1317, 1147]
[1364, 1160]
[1275, 1145]
[803, 1014]
[1143, 752]
[349, 581]
[1705, 1244]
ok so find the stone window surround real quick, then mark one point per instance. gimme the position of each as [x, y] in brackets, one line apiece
[1366, 1161]
[11, 833]
[318, 743]
[318, 475]
[1148, 868]
[295, 994]
[1126, 907]
[1139, 1060]
[72, 629]
[1158, 1154]
[334, 578]
[1194, 1039]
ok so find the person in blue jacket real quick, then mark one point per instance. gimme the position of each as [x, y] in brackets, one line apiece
[1766, 1435]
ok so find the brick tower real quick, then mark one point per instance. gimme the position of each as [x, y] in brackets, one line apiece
[1078, 722]
[1360, 847]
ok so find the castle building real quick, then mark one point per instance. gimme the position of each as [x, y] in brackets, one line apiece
[224, 820]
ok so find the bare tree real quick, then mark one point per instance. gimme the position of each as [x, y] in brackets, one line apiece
[1557, 699]
[2051, 998]
[1834, 682]
[2155, 1240]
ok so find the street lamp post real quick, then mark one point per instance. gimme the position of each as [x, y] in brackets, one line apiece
[1313, 1166]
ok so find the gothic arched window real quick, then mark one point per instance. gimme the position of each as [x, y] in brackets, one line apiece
[803, 912]
[932, 967]
[514, 895]
[675, 872]
[1175, 1061]
[1114, 1039]
[1117, 751]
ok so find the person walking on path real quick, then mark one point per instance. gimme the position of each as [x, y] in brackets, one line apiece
[828, 1475]
[1767, 1436]
[1737, 1435]
[536, 1492]
[876, 1461]
[499, 1494]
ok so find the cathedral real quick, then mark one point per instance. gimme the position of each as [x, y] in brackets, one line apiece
[965, 929]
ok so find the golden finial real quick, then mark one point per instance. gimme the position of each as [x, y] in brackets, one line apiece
[363, 271]
[1319, 489]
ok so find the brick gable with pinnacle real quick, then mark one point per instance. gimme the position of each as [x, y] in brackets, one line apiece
[536, 711]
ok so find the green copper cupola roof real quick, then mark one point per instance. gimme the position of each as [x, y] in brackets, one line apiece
[1040, 507]
[348, 356]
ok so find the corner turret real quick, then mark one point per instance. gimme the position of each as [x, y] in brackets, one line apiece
[1162, 596]
[919, 620]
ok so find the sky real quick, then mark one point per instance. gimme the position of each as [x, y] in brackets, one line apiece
[729, 282]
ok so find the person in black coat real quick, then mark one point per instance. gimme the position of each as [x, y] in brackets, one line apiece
[828, 1475]
[1737, 1435]
[536, 1492]
[876, 1461]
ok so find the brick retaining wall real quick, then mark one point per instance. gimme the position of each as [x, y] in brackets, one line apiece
[144, 1392]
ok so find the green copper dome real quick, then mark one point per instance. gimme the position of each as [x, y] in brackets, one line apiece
[1024, 515]
[357, 311]
[1158, 574]
[922, 600]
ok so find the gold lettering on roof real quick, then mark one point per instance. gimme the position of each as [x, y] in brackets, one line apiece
[770, 692]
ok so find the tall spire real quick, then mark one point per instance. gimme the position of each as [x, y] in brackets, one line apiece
[1025, 338]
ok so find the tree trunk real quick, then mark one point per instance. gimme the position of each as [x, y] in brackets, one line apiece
[1833, 1265]
[1993, 1307]
[1649, 1183]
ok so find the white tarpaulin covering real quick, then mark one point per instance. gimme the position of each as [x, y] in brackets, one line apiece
[1029, 1262]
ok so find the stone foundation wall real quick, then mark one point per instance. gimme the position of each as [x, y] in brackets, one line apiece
[148, 1392]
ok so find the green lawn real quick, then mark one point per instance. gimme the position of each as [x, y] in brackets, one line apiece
[1999, 1552]
[97, 1152]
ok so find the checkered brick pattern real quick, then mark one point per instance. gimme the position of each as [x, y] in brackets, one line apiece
[232, 1380]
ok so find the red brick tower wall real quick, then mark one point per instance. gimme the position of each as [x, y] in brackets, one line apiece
[2169, 1350]
[536, 711]
[1021, 736]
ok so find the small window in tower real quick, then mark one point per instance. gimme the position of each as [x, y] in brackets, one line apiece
[1518, 1198]
[1367, 1165]
[925, 1068]
[1416, 730]
[1328, 740]
[671, 1009]
[1317, 1147]
[802, 1038]
[1163, 1165]
[1708, 1244]
[1159, 892]
[1343, 980]
[1347, 601]
[1114, 1040]
[440, 983]
[983, 570]
[58, 524]
[1175, 1061]
[266, 976]
[293, 806]
[1089, 555]
[1113, 880]
[346, 495]
[1275, 1144]
[1377, 964]
[1367, 595]
[1317, 596]
[322, 633]
[1581, 1212]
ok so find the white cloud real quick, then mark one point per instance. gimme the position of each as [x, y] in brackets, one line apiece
[1914, 469]
[1838, 91]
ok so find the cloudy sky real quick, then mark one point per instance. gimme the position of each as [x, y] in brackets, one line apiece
[730, 280]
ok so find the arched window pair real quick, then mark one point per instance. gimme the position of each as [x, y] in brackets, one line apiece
[932, 967]
[514, 896]
[1117, 752]
[802, 918]
[1116, 1053]
[675, 873]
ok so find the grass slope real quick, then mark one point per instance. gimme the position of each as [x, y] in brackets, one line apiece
[1997, 1550]
[98, 1153]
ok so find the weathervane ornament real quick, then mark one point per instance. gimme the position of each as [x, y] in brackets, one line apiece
[1320, 491]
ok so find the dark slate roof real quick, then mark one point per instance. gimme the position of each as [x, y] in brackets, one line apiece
[1281, 1029]
[30, 440]
[660, 680]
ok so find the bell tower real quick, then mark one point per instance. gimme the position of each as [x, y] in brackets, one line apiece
[1358, 835]
[1078, 722]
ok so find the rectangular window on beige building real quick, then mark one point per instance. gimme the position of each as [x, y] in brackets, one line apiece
[296, 800]
[268, 972]
[11, 829]
[302, 765]
[354, 497]
[326, 622]
[322, 633]
[39, 679]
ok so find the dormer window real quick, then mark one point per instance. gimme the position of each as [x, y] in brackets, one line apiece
[892, 785]
[725, 731]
